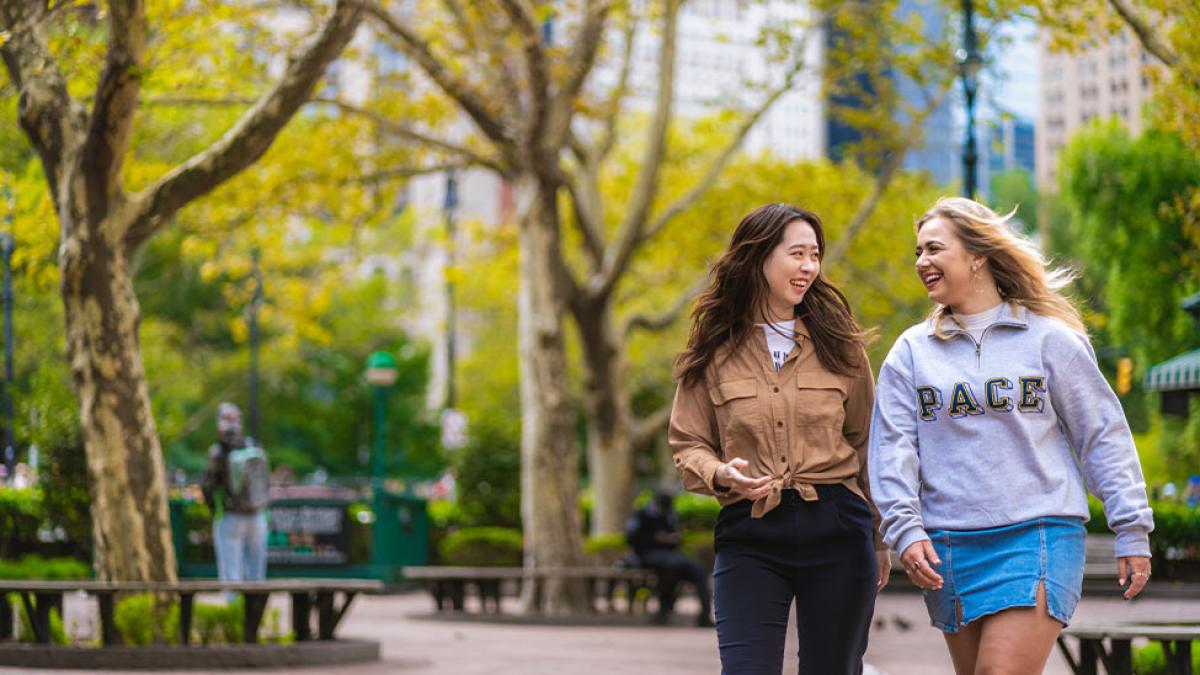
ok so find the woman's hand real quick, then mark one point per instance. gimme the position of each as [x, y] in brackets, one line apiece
[1136, 568]
[885, 567]
[729, 475]
[919, 559]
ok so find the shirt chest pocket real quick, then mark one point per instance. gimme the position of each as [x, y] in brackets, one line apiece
[820, 400]
[736, 404]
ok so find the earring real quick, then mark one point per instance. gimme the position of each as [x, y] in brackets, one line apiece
[975, 278]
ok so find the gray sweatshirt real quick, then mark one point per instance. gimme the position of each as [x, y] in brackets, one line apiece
[971, 434]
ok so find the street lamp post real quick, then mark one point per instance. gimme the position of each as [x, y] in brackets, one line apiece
[252, 413]
[969, 63]
[451, 201]
[381, 375]
[6, 247]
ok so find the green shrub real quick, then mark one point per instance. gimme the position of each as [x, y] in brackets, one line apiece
[488, 474]
[605, 549]
[699, 545]
[1150, 660]
[272, 629]
[444, 517]
[58, 632]
[696, 512]
[48, 569]
[21, 514]
[142, 620]
[1175, 526]
[219, 623]
[482, 546]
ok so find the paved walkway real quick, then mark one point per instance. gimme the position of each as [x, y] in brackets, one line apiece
[416, 641]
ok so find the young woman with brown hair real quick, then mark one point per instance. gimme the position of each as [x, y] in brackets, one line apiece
[771, 416]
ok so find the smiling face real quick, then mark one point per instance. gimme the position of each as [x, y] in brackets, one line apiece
[790, 269]
[944, 263]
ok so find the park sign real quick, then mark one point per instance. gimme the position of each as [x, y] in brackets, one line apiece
[308, 532]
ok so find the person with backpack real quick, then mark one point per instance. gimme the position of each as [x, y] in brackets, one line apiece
[235, 487]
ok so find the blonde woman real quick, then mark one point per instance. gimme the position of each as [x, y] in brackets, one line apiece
[990, 421]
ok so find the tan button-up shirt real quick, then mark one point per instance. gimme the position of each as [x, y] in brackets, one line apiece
[802, 426]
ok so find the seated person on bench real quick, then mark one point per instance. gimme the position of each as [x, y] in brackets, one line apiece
[653, 534]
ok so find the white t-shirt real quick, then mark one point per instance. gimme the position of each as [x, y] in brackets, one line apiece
[779, 340]
[975, 324]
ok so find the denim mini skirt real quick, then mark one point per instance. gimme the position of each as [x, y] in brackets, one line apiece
[988, 571]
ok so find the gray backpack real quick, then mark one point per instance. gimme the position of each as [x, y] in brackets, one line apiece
[249, 478]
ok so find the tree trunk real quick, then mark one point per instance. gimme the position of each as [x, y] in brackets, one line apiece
[549, 463]
[131, 527]
[609, 419]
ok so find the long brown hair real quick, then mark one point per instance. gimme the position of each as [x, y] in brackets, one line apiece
[737, 290]
[1023, 275]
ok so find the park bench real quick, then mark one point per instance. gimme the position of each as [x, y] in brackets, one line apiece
[1117, 658]
[449, 585]
[309, 596]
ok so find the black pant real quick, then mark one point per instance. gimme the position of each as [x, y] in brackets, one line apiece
[672, 567]
[820, 553]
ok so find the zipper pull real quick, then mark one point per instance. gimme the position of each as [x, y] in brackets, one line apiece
[978, 346]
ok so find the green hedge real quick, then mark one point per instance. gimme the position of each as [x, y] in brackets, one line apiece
[58, 632]
[1150, 660]
[21, 514]
[143, 621]
[1176, 526]
[49, 569]
[696, 512]
[482, 546]
[605, 549]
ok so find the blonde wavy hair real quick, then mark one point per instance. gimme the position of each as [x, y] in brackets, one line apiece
[1023, 275]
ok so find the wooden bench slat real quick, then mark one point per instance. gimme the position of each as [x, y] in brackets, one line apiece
[1128, 631]
[430, 573]
[196, 585]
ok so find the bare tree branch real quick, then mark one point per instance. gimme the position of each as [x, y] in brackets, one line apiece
[387, 125]
[866, 208]
[884, 179]
[608, 277]
[492, 39]
[872, 279]
[1145, 34]
[580, 61]
[652, 425]
[488, 121]
[111, 122]
[645, 188]
[411, 134]
[585, 204]
[672, 314]
[463, 23]
[401, 173]
[525, 20]
[252, 135]
[53, 121]
[616, 101]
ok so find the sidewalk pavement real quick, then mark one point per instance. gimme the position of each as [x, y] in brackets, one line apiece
[418, 641]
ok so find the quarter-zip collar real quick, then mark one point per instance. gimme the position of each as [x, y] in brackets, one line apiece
[1011, 314]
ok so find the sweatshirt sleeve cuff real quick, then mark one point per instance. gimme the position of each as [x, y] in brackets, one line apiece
[910, 537]
[1129, 543]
